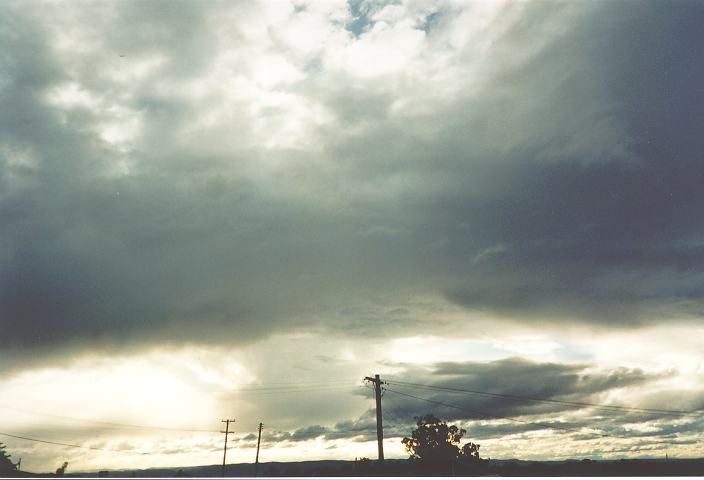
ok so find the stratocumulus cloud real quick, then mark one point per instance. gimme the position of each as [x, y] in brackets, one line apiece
[126, 210]
[491, 196]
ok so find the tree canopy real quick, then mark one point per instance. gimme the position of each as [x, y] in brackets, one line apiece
[6, 465]
[436, 443]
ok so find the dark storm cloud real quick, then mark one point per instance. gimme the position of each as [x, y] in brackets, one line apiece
[362, 428]
[560, 192]
[586, 236]
[612, 429]
[517, 379]
[488, 417]
[567, 188]
[306, 433]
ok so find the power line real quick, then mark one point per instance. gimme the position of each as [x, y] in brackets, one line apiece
[309, 382]
[257, 388]
[398, 413]
[484, 414]
[176, 429]
[274, 391]
[72, 445]
[281, 386]
[545, 400]
[112, 424]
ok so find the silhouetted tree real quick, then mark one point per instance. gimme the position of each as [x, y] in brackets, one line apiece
[470, 451]
[6, 465]
[61, 470]
[436, 444]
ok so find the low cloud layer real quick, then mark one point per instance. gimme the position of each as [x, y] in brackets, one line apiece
[170, 403]
[501, 400]
[511, 385]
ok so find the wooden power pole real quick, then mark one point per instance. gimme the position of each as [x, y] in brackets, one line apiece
[256, 460]
[224, 450]
[379, 429]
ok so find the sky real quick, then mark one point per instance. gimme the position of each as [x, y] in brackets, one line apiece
[238, 210]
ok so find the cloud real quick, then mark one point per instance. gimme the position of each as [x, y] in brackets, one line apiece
[516, 414]
[519, 381]
[500, 422]
[201, 174]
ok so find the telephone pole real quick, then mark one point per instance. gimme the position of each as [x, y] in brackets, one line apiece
[379, 429]
[256, 460]
[224, 450]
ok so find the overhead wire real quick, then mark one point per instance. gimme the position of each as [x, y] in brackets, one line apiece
[484, 414]
[72, 445]
[112, 424]
[303, 387]
[292, 385]
[309, 382]
[274, 391]
[282, 388]
[121, 425]
[398, 413]
[544, 400]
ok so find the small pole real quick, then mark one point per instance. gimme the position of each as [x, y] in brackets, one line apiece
[256, 460]
[224, 450]
[379, 428]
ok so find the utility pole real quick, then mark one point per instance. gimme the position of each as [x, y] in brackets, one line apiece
[256, 460]
[224, 450]
[379, 429]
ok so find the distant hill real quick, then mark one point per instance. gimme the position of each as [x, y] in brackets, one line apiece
[234, 470]
[585, 467]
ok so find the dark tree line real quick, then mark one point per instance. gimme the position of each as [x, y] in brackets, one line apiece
[7, 466]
